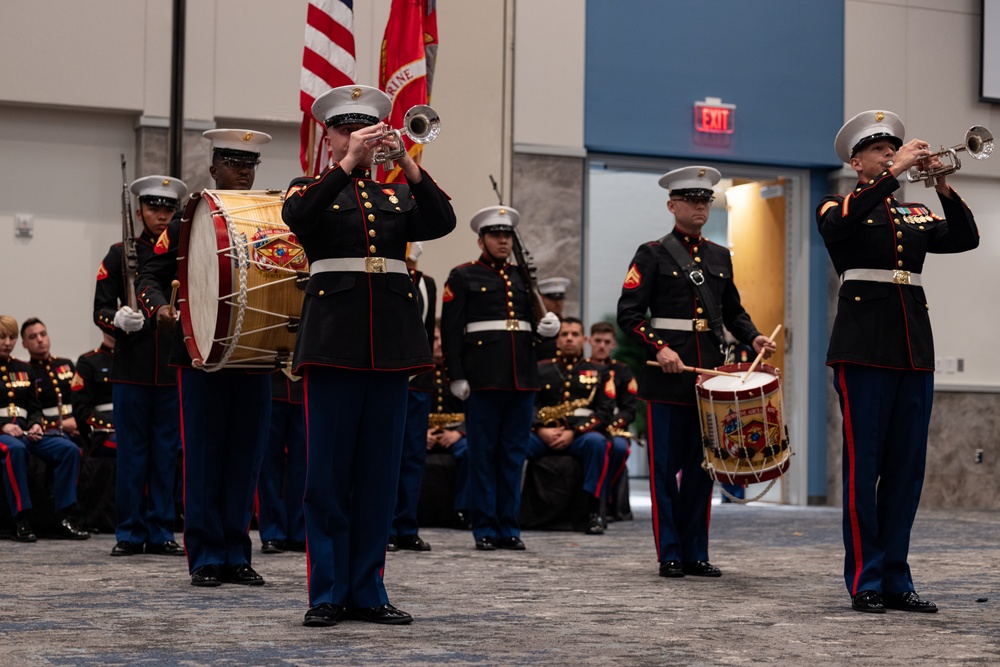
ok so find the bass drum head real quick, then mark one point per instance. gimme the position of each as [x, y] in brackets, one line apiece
[206, 270]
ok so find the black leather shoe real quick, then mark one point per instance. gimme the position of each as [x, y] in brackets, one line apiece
[412, 543]
[701, 568]
[671, 568]
[23, 532]
[487, 543]
[299, 547]
[67, 531]
[241, 574]
[324, 615]
[595, 525]
[392, 545]
[869, 602]
[206, 575]
[169, 548]
[510, 543]
[385, 614]
[126, 549]
[909, 601]
[272, 547]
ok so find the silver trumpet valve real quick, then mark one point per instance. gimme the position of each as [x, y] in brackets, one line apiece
[978, 143]
[421, 125]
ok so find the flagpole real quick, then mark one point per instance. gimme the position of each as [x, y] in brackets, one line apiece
[311, 150]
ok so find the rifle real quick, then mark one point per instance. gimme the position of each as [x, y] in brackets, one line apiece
[525, 265]
[130, 258]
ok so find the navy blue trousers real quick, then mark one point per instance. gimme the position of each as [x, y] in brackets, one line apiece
[620, 449]
[282, 479]
[411, 469]
[148, 440]
[591, 449]
[224, 425]
[886, 417]
[498, 424]
[460, 452]
[57, 450]
[354, 435]
[681, 508]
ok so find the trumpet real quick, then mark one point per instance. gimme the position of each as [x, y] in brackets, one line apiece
[421, 124]
[978, 143]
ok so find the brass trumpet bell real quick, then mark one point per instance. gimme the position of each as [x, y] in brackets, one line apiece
[978, 144]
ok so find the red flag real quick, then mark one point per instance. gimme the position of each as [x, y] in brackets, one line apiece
[327, 62]
[403, 73]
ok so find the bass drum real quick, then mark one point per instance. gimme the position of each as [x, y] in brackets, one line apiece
[242, 275]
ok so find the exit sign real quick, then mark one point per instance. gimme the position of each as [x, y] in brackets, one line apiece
[714, 117]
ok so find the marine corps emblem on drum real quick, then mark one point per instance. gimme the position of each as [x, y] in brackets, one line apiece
[275, 249]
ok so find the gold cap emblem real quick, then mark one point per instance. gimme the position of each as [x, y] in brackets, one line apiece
[356, 93]
[166, 181]
[701, 172]
[502, 211]
[879, 116]
[248, 136]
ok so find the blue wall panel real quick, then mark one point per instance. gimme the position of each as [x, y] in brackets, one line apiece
[781, 62]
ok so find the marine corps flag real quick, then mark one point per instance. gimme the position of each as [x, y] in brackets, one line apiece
[409, 49]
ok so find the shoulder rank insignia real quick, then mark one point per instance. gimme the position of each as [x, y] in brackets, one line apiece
[77, 383]
[633, 278]
[448, 295]
[609, 388]
[102, 272]
[633, 386]
[162, 244]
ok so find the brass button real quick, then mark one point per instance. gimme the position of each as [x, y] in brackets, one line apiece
[409, 295]
[857, 298]
[892, 210]
[899, 235]
[699, 310]
[899, 248]
[479, 342]
[371, 217]
[483, 289]
[371, 248]
[368, 204]
[364, 195]
[321, 292]
[870, 221]
[361, 184]
[336, 206]
[675, 273]
[510, 294]
[899, 263]
[371, 232]
[697, 259]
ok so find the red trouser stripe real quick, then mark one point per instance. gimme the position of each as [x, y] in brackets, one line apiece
[851, 500]
[11, 477]
[652, 478]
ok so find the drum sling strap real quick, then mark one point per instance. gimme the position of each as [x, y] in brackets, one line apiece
[694, 273]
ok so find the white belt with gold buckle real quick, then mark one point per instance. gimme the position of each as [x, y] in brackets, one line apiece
[498, 325]
[678, 324]
[358, 264]
[582, 412]
[13, 412]
[104, 407]
[894, 276]
[54, 412]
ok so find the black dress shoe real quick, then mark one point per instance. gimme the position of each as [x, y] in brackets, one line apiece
[412, 543]
[909, 601]
[510, 543]
[595, 525]
[168, 548]
[392, 545]
[869, 602]
[67, 531]
[671, 568]
[701, 568]
[299, 547]
[241, 574]
[272, 547]
[206, 575]
[126, 549]
[385, 614]
[23, 532]
[488, 543]
[324, 615]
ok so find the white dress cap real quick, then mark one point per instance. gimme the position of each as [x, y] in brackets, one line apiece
[866, 127]
[494, 217]
[553, 287]
[247, 141]
[690, 178]
[159, 189]
[351, 104]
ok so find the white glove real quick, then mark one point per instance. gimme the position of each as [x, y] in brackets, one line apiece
[548, 326]
[460, 389]
[128, 320]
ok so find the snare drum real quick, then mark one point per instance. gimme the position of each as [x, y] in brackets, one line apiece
[742, 425]
[239, 266]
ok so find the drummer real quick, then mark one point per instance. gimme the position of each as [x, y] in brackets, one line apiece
[225, 415]
[682, 332]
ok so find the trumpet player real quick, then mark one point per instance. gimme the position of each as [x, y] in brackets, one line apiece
[881, 349]
[582, 394]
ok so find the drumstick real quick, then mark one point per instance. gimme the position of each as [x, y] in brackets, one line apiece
[173, 292]
[760, 355]
[695, 369]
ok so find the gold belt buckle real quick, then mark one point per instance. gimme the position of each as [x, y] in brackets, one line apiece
[701, 325]
[66, 410]
[12, 411]
[513, 325]
[901, 277]
[374, 264]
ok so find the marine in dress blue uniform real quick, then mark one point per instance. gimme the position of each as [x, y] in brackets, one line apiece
[404, 533]
[676, 335]
[282, 480]
[224, 414]
[488, 333]
[581, 434]
[553, 293]
[446, 431]
[361, 336]
[882, 351]
[23, 432]
[144, 388]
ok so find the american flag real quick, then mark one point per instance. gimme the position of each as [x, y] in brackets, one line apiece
[327, 62]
